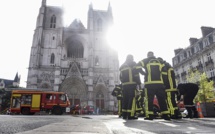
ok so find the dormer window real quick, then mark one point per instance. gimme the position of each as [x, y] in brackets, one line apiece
[200, 45]
[192, 50]
[205, 43]
[53, 22]
[210, 38]
[185, 55]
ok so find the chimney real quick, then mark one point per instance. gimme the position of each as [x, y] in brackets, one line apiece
[193, 40]
[177, 50]
[206, 30]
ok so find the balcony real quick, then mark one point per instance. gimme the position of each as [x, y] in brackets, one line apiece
[209, 62]
[212, 78]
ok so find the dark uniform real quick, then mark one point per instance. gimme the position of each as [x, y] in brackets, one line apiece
[129, 78]
[171, 90]
[189, 91]
[154, 85]
[139, 103]
[117, 92]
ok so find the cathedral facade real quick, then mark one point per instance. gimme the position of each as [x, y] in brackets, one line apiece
[74, 59]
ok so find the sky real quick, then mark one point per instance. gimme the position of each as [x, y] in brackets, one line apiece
[140, 26]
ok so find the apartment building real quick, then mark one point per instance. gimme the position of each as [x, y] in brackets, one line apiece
[200, 55]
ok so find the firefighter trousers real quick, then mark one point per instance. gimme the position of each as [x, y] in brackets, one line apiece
[139, 105]
[129, 102]
[150, 91]
[171, 101]
[119, 107]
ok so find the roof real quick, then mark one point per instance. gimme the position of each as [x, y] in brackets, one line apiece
[7, 82]
[77, 24]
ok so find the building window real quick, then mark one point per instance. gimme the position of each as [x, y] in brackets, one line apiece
[97, 61]
[185, 55]
[189, 53]
[53, 21]
[205, 43]
[53, 38]
[75, 49]
[200, 45]
[209, 56]
[52, 59]
[197, 49]
[211, 72]
[99, 25]
[178, 59]
[192, 50]
[210, 38]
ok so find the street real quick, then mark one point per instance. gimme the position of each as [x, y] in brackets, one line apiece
[102, 124]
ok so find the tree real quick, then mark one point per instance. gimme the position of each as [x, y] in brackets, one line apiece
[206, 90]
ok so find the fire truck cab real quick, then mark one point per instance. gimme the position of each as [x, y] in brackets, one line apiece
[28, 102]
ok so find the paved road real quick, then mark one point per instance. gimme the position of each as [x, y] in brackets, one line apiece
[101, 124]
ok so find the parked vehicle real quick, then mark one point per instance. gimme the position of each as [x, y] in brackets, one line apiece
[77, 109]
[28, 102]
[88, 109]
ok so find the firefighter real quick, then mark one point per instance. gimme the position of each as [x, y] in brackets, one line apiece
[117, 92]
[154, 85]
[129, 78]
[139, 103]
[187, 93]
[170, 87]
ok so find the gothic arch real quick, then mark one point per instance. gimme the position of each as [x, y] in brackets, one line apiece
[52, 60]
[75, 49]
[75, 46]
[46, 85]
[100, 96]
[53, 22]
[75, 89]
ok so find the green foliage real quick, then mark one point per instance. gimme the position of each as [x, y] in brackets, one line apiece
[5, 96]
[206, 91]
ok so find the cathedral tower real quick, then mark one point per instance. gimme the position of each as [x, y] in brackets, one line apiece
[74, 59]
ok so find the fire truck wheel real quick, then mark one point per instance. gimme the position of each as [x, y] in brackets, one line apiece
[57, 110]
[32, 113]
[25, 111]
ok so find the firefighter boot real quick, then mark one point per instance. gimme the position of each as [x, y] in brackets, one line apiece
[166, 117]
[151, 117]
[177, 114]
[124, 115]
[195, 112]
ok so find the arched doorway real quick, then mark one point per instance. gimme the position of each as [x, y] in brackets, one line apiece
[76, 90]
[100, 100]
[100, 97]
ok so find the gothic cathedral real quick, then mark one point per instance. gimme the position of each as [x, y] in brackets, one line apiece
[74, 59]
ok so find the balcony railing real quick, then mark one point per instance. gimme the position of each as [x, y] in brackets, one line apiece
[207, 63]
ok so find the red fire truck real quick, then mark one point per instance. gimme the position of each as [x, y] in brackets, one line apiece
[28, 102]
